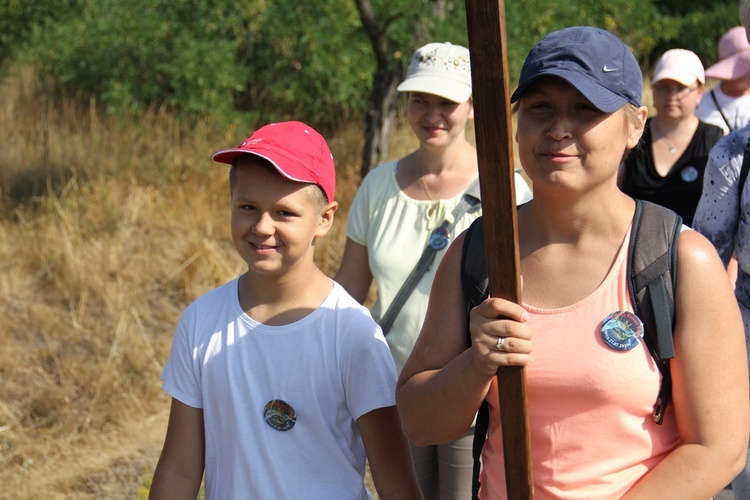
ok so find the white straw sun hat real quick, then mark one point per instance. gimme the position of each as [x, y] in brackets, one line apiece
[441, 69]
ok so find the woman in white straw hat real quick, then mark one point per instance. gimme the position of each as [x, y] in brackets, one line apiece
[400, 208]
[668, 167]
[727, 105]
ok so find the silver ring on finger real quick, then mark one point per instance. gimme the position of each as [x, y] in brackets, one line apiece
[500, 345]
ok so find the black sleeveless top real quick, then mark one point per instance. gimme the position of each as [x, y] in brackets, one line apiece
[681, 188]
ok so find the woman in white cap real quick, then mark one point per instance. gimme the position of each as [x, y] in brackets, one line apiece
[727, 105]
[400, 208]
[668, 167]
[591, 381]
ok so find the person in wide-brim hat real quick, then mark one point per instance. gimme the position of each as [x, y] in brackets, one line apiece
[734, 56]
[728, 104]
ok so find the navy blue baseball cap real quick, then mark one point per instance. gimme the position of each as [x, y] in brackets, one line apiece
[594, 61]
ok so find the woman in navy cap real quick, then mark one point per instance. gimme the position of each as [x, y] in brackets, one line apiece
[590, 399]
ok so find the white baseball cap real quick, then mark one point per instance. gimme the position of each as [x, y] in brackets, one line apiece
[442, 69]
[680, 65]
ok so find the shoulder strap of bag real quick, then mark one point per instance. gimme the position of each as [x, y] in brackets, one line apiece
[652, 263]
[474, 280]
[745, 167]
[470, 203]
[474, 283]
[721, 111]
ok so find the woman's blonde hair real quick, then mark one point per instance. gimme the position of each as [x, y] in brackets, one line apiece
[633, 115]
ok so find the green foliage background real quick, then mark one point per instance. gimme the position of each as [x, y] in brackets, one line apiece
[262, 60]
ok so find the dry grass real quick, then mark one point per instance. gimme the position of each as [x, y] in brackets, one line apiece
[109, 229]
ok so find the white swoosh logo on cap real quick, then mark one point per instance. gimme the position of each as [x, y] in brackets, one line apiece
[607, 69]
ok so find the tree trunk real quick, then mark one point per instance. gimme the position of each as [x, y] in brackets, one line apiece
[382, 108]
[380, 119]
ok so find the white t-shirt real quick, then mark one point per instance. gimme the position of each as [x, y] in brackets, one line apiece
[331, 367]
[736, 110]
[395, 229]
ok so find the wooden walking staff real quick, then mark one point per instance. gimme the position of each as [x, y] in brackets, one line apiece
[494, 137]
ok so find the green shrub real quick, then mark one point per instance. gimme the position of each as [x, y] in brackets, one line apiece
[278, 59]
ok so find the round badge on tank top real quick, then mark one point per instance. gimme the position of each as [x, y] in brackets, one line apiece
[622, 330]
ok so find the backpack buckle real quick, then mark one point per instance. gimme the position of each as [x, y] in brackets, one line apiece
[658, 414]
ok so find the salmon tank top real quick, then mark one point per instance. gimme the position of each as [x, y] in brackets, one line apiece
[589, 404]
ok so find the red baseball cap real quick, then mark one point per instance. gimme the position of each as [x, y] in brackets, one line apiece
[295, 149]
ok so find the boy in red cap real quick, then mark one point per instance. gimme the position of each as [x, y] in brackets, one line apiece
[281, 383]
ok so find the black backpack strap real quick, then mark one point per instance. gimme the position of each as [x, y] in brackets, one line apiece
[474, 279]
[481, 427]
[745, 167]
[652, 276]
[474, 283]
